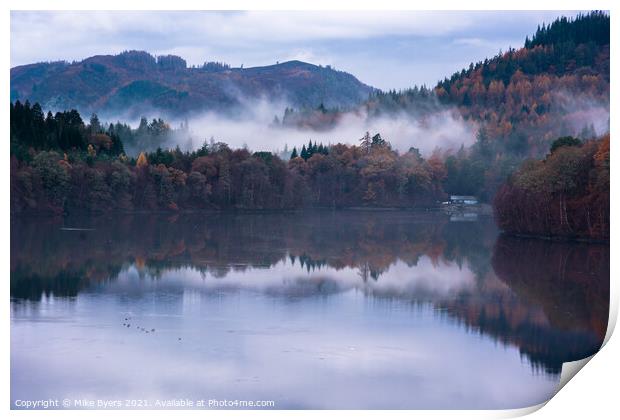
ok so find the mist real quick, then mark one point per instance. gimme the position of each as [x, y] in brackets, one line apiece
[251, 125]
[254, 128]
[581, 110]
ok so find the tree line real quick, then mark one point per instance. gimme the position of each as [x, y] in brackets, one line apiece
[61, 164]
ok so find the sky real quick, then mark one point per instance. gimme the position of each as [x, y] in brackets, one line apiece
[387, 50]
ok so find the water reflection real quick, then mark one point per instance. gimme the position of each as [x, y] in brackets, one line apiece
[428, 300]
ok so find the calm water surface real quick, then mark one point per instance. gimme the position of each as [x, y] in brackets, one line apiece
[348, 309]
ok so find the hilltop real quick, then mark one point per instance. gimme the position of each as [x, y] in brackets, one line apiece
[136, 82]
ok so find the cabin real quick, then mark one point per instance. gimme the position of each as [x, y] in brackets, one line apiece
[463, 200]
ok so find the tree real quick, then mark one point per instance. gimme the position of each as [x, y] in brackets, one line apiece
[377, 141]
[141, 162]
[566, 141]
[95, 125]
[294, 154]
[366, 142]
[54, 178]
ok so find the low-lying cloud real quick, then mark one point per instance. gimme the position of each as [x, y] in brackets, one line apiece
[445, 129]
[582, 110]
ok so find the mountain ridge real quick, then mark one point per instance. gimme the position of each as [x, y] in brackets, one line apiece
[137, 82]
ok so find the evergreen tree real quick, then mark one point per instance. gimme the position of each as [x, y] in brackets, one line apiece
[377, 141]
[95, 125]
[366, 142]
[294, 154]
[566, 141]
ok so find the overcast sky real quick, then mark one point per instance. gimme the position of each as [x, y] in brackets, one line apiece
[384, 49]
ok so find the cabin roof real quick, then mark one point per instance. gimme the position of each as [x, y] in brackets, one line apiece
[463, 197]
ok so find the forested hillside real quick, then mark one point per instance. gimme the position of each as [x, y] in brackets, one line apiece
[557, 85]
[135, 83]
[521, 100]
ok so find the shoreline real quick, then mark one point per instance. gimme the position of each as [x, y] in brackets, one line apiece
[556, 238]
[226, 210]
[240, 211]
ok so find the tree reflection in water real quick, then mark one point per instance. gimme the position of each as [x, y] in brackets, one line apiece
[549, 299]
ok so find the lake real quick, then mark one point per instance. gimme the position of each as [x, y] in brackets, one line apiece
[310, 310]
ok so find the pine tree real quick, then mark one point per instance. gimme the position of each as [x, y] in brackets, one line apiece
[95, 125]
[366, 142]
[294, 154]
[377, 141]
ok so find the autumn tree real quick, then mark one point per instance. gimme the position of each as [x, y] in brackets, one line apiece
[142, 161]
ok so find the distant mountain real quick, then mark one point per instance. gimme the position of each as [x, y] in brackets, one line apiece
[135, 82]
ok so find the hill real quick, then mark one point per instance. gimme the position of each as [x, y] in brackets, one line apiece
[135, 82]
[521, 100]
[556, 85]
